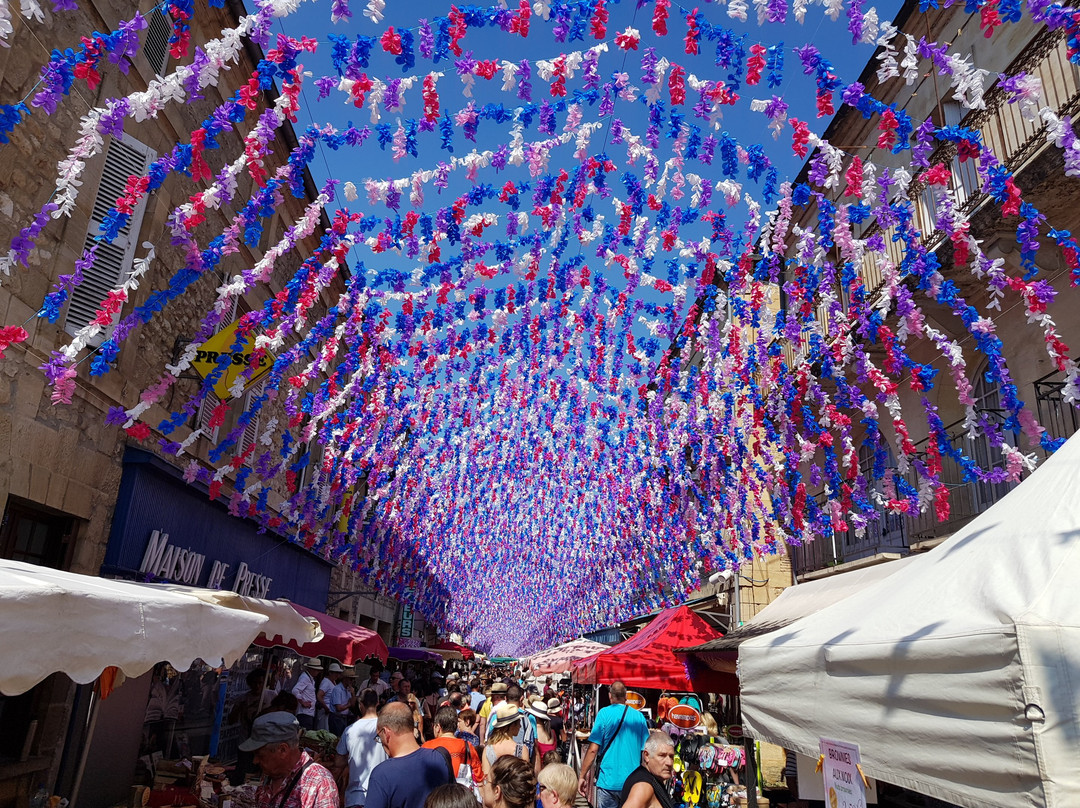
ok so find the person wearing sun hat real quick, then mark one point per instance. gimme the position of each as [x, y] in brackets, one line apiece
[506, 721]
[322, 695]
[496, 695]
[555, 721]
[293, 779]
[339, 702]
[546, 740]
[304, 690]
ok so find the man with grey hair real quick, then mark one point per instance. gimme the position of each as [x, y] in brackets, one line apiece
[411, 772]
[615, 743]
[646, 786]
[293, 779]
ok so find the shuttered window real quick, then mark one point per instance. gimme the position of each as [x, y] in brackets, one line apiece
[124, 158]
[202, 417]
[251, 431]
[156, 46]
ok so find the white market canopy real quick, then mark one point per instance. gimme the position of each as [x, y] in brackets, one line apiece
[794, 603]
[957, 675]
[560, 658]
[53, 621]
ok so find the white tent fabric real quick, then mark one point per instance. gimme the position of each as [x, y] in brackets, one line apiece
[284, 623]
[794, 603]
[959, 675]
[54, 621]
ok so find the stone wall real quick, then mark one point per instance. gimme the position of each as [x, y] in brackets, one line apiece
[64, 457]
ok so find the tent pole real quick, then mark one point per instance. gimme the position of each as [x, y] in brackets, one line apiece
[85, 753]
[751, 773]
[219, 713]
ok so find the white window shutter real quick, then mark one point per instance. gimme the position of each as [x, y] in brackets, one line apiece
[125, 157]
[156, 46]
[251, 431]
[202, 417]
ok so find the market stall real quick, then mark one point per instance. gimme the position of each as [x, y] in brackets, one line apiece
[466, 653]
[794, 603]
[343, 641]
[648, 659]
[560, 658]
[79, 624]
[956, 675]
[413, 655]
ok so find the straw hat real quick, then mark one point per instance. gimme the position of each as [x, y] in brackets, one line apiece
[505, 714]
[539, 709]
[313, 664]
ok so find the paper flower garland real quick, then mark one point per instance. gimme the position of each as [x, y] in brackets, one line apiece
[581, 378]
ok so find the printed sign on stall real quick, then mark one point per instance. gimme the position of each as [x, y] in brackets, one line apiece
[844, 787]
[684, 716]
[635, 699]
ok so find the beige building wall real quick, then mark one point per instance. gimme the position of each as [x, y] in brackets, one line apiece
[63, 461]
[1022, 146]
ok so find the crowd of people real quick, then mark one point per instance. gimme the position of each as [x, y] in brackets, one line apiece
[412, 738]
[419, 738]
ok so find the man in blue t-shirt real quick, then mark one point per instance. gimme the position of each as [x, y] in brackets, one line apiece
[618, 736]
[411, 773]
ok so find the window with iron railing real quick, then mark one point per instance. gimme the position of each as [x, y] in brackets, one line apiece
[1058, 415]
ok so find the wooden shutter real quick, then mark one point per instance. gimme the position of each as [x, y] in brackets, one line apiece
[125, 156]
[156, 46]
[251, 431]
[202, 417]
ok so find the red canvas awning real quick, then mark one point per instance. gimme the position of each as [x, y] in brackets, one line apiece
[466, 653]
[343, 641]
[648, 658]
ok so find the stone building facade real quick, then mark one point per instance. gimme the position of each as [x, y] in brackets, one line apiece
[1020, 143]
[61, 465]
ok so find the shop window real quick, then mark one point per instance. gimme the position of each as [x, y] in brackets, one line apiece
[35, 535]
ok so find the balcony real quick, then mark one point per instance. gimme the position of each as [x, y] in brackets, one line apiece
[1060, 417]
[893, 534]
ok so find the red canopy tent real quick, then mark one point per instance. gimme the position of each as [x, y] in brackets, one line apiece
[343, 641]
[648, 658]
[446, 645]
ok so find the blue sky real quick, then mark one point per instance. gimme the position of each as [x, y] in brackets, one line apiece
[313, 20]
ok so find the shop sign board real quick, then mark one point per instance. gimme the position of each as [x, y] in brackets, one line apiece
[635, 699]
[844, 787]
[222, 344]
[180, 565]
[684, 716]
[405, 626]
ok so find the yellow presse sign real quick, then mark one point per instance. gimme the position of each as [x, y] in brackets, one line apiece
[211, 351]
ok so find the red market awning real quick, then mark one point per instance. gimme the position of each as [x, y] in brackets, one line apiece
[343, 641]
[648, 658]
[466, 653]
